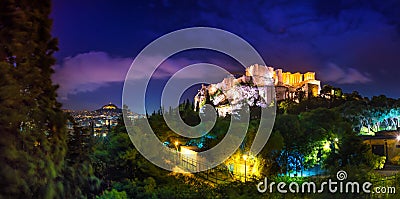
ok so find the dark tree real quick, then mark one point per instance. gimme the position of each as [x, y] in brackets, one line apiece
[79, 179]
[32, 126]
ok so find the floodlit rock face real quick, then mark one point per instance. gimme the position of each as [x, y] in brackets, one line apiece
[258, 87]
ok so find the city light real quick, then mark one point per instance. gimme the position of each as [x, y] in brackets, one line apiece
[244, 157]
[398, 138]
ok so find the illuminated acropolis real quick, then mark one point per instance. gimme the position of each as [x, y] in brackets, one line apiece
[258, 81]
[290, 85]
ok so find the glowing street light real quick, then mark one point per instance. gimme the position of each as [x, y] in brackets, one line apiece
[245, 158]
[176, 145]
[398, 138]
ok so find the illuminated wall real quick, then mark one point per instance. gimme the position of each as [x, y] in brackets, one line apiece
[309, 76]
[189, 158]
[391, 146]
[292, 79]
[286, 78]
[187, 152]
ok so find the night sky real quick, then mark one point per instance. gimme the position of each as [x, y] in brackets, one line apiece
[354, 45]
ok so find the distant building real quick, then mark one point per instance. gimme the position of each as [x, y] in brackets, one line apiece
[257, 89]
[386, 144]
[110, 108]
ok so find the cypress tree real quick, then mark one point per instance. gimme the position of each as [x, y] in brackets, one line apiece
[187, 104]
[32, 125]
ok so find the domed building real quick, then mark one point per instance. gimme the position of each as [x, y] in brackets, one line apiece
[110, 108]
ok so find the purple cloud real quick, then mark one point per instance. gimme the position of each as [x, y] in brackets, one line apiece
[334, 73]
[90, 71]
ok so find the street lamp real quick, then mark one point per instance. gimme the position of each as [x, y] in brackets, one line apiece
[386, 149]
[245, 158]
[398, 138]
[176, 145]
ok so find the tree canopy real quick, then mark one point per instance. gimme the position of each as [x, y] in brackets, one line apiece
[33, 144]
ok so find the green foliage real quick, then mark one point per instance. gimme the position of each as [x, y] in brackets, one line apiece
[122, 168]
[289, 127]
[238, 190]
[79, 179]
[114, 157]
[352, 152]
[113, 194]
[33, 144]
[376, 161]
